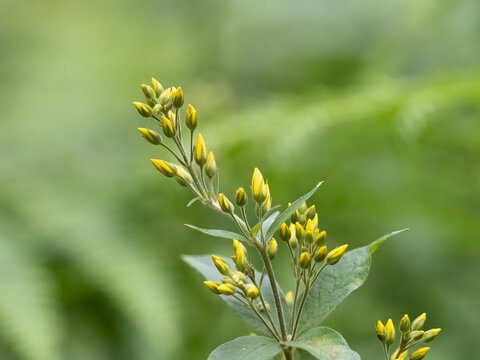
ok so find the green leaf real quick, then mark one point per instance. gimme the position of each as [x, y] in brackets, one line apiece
[336, 282]
[204, 264]
[268, 219]
[325, 344]
[247, 348]
[289, 211]
[190, 203]
[220, 233]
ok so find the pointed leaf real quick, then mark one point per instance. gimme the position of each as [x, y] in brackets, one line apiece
[376, 244]
[220, 233]
[190, 203]
[289, 211]
[204, 264]
[336, 282]
[325, 344]
[247, 348]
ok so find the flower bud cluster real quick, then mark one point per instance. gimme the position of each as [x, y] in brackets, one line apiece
[411, 334]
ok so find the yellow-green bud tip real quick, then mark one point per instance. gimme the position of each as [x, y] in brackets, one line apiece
[430, 334]
[213, 286]
[419, 354]
[389, 332]
[221, 265]
[272, 248]
[143, 109]
[225, 204]
[241, 197]
[164, 167]
[177, 97]
[417, 324]
[336, 254]
[211, 168]
[380, 331]
[200, 151]
[151, 136]
[191, 119]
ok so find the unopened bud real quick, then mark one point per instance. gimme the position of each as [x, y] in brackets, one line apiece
[272, 248]
[226, 289]
[419, 354]
[182, 177]
[303, 208]
[381, 335]
[417, 335]
[251, 291]
[221, 265]
[284, 232]
[320, 237]
[213, 286]
[417, 324]
[211, 168]
[293, 242]
[295, 217]
[259, 188]
[165, 97]
[289, 298]
[238, 277]
[177, 97]
[405, 323]
[148, 91]
[200, 151]
[167, 127]
[389, 332]
[320, 254]
[143, 109]
[191, 119]
[241, 261]
[151, 136]
[430, 335]
[310, 213]
[157, 109]
[402, 356]
[305, 260]
[157, 87]
[309, 232]
[164, 167]
[225, 204]
[227, 280]
[299, 232]
[336, 254]
[241, 197]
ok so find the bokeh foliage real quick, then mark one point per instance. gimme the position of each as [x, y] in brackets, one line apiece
[379, 99]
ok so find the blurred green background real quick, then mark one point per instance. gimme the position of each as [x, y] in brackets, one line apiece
[379, 99]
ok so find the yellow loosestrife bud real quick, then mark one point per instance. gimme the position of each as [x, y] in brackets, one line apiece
[320, 254]
[251, 291]
[299, 232]
[148, 91]
[237, 276]
[267, 203]
[295, 217]
[310, 229]
[213, 286]
[225, 204]
[402, 356]
[336, 254]
[151, 136]
[191, 119]
[165, 97]
[164, 167]
[305, 260]
[417, 335]
[226, 280]
[293, 242]
[289, 298]
[221, 265]
[177, 97]
[284, 232]
[211, 168]
[320, 237]
[430, 335]
[389, 332]
[167, 127]
[311, 212]
[272, 248]
[157, 87]
[143, 109]
[182, 177]
[419, 354]
[226, 289]
[259, 188]
[381, 335]
[303, 208]
[419, 321]
[200, 151]
[241, 197]
[157, 109]
[315, 221]
[240, 260]
[405, 323]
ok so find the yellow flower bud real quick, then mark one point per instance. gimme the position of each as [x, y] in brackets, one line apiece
[213, 286]
[381, 335]
[164, 167]
[157, 109]
[405, 323]
[211, 168]
[157, 87]
[143, 109]
[241, 197]
[430, 335]
[417, 335]
[225, 204]
[251, 291]
[259, 187]
[419, 321]
[221, 265]
[289, 298]
[303, 208]
[336, 254]
[226, 289]
[191, 119]
[389, 332]
[200, 151]
[177, 97]
[227, 280]
[237, 276]
[284, 232]
[167, 127]
[305, 260]
[419, 354]
[267, 203]
[309, 232]
[311, 212]
[293, 242]
[148, 91]
[272, 248]
[166, 96]
[320, 237]
[151, 136]
[320, 254]
[402, 356]
[241, 262]
[182, 177]
[315, 221]
[299, 232]
[295, 217]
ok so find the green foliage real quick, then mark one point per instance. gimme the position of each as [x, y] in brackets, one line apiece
[247, 348]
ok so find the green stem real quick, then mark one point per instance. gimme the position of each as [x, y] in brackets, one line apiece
[272, 331]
